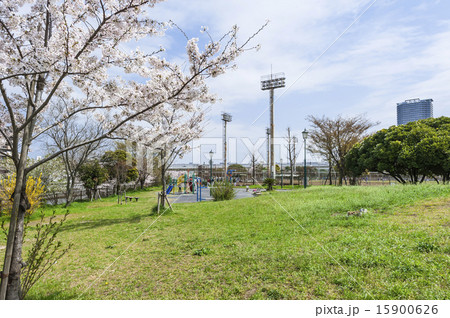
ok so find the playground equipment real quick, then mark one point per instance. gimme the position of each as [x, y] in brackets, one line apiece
[199, 186]
[230, 173]
[180, 181]
[187, 180]
[169, 188]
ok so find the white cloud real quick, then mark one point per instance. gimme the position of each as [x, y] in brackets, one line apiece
[396, 51]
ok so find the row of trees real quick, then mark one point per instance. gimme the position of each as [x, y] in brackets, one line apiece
[409, 153]
[117, 166]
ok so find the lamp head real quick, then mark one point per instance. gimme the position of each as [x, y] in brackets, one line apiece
[305, 134]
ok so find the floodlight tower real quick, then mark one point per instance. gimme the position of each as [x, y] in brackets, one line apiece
[271, 82]
[226, 119]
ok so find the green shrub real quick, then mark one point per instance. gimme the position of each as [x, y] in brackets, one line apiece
[223, 191]
[269, 183]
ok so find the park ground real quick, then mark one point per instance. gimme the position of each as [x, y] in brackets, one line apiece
[283, 245]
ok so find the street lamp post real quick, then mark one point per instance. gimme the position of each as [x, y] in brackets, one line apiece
[211, 154]
[268, 149]
[293, 164]
[281, 170]
[226, 119]
[305, 135]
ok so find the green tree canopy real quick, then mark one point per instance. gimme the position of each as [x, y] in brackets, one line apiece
[408, 153]
[92, 174]
[118, 167]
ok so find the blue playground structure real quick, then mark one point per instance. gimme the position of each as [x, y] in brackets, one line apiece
[191, 183]
[198, 182]
[169, 189]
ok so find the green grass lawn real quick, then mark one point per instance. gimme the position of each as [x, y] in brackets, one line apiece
[283, 245]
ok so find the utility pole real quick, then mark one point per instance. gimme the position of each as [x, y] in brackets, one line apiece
[271, 82]
[253, 168]
[294, 139]
[268, 151]
[305, 135]
[226, 119]
[281, 171]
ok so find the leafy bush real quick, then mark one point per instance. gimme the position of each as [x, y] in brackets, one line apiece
[223, 191]
[269, 183]
[92, 174]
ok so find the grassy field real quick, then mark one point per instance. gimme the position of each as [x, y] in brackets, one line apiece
[284, 245]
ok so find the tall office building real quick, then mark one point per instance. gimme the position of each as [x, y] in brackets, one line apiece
[414, 109]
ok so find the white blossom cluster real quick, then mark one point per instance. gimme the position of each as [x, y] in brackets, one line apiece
[65, 48]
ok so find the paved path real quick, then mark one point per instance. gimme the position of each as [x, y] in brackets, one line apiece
[190, 198]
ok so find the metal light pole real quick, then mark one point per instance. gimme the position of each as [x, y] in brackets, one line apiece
[271, 82]
[268, 151]
[211, 154]
[281, 170]
[226, 119]
[305, 135]
[294, 139]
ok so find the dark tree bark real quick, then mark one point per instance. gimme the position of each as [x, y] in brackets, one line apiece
[163, 181]
[13, 291]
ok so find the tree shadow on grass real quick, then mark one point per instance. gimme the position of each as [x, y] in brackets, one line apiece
[56, 295]
[82, 225]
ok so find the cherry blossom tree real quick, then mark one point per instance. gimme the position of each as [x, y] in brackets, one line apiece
[67, 49]
[169, 137]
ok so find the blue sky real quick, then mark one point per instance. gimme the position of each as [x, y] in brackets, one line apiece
[397, 50]
[335, 63]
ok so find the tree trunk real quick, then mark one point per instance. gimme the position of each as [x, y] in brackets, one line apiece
[329, 172]
[69, 190]
[10, 285]
[117, 183]
[341, 174]
[72, 186]
[14, 291]
[163, 181]
[254, 173]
